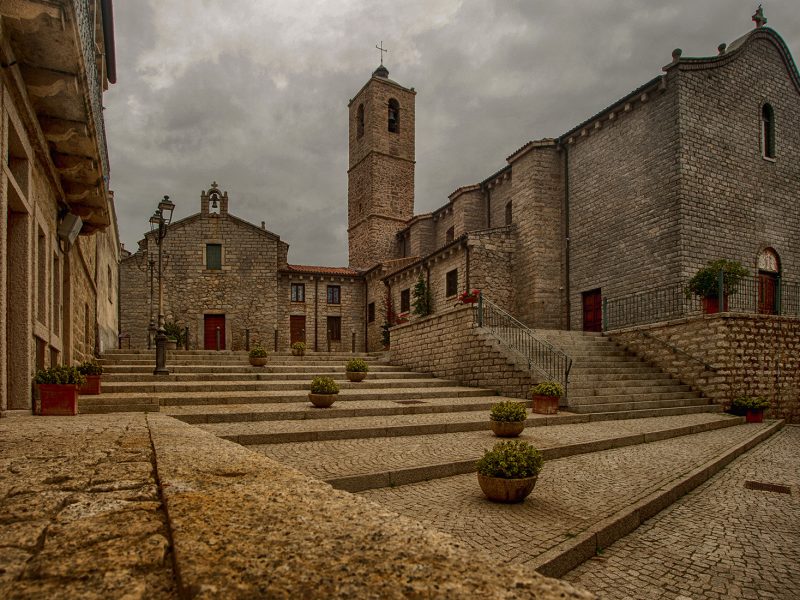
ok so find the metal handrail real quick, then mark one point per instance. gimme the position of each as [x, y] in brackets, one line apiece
[540, 356]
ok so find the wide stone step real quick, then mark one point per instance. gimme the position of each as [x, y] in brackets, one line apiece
[246, 368]
[655, 412]
[639, 405]
[631, 390]
[229, 361]
[109, 378]
[577, 399]
[213, 387]
[578, 376]
[656, 382]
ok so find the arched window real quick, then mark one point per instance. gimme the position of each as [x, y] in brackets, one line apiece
[360, 121]
[394, 116]
[768, 131]
[508, 213]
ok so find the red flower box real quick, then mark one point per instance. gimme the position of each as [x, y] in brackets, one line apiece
[91, 387]
[58, 399]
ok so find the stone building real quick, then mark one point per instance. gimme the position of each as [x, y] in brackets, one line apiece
[698, 163]
[59, 246]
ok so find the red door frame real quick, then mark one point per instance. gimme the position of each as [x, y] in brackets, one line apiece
[210, 324]
[592, 310]
[297, 328]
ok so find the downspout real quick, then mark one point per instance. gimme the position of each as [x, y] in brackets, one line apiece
[108, 39]
[466, 266]
[316, 310]
[427, 268]
[566, 238]
[488, 207]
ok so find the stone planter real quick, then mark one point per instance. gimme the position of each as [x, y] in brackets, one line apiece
[171, 344]
[322, 400]
[509, 491]
[58, 399]
[545, 405]
[754, 416]
[296, 352]
[91, 387]
[507, 428]
[356, 375]
[257, 361]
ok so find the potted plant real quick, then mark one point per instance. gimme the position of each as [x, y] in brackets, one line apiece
[356, 369]
[257, 355]
[508, 418]
[323, 391]
[705, 283]
[92, 370]
[546, 397]
[469, 297]
[58, 390]
[176, 335]
[508, 472]
[298, 349]
[752, 407]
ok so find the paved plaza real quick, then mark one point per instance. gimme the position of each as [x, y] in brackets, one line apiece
[721, 541]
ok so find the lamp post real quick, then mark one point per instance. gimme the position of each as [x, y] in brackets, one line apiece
[158, 225]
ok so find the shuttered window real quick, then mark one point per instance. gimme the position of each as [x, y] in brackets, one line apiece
[213, 256]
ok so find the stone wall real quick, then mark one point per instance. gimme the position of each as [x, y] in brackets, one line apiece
[499, 193]
[443, 220]
[469, 209]
[491, 260]
[450, 346]
[727, 355]
[134, 293]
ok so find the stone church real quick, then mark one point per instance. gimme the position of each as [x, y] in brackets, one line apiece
[700, 162]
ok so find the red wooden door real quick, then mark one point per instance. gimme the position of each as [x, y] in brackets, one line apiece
[297, 328]
[593, 310]
[767, 293]
[211, 324]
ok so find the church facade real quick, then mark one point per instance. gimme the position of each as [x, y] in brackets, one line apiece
[699, 163]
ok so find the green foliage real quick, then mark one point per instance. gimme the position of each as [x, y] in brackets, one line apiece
[90, 367]
[512, 459]
[548, 388]
[324, 385]
[705, 281]
[176, 332]
[508, 410]
[299, 346]
[357, 365]
[258, 351]
[744, 403]
[422, 303]
[60, 374]
[385, 339]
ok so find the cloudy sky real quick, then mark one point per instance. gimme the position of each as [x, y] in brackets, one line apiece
[253, 93]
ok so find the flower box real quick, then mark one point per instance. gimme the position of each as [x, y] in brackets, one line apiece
[91, 387]
[58, 399]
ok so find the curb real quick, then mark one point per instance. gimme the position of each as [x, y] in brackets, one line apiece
[569, 554]
[369, 481]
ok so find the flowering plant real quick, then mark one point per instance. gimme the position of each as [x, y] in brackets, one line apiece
[469, 297]
[401, 318]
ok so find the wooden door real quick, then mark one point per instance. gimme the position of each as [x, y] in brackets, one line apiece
[593, 310]
[297, 328]
[212, 323]
[767, 293]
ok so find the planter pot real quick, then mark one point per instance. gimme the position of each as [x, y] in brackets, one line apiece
[298, 352]
[469, 301]
[356, 375]
[507, 428]
[58, 399]
[258, 361]
[711, 305]
[322, 400]
[545, 405]
[171, 344]
[508, 491]
[91, 387]
[754, 416]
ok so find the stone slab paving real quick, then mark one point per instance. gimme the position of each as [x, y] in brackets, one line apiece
[340, 458]
[721, 541]
[80, 511]
[572, 494]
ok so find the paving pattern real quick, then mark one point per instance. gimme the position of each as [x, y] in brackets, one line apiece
[80, 514]
[571, 495]
[339, 458]
[721, 541]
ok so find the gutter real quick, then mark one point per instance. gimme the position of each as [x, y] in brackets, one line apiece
[108, 39]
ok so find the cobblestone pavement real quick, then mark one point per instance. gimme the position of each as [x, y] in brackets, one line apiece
[720, 541]
[339, 458]
[80, 514]
[571, 494]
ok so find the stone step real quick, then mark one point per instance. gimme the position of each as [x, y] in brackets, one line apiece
[609, 390]
[255, 375]
[245, 368]
[577, 399]
[214, 387]
[134, 352]
[655, 412]
[610, 407]
[656, 382]
[232, 360]
[581, 377]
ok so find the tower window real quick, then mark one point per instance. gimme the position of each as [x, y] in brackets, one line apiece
[360, 121]
[768, 131]
[405, 300]
[394, 116]
[450, 235]
[508, 213]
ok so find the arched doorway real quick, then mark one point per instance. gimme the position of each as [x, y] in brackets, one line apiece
[769, 270]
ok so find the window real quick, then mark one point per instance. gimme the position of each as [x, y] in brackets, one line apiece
[450, 235]
[371, 312]
[394, 116]
[41, 268]
[335, 329]
[405, 300]
[298, 292]
[360, 121]
[451, 283]
[509, 214]
[214, 256]
[110, 285]
[767, 131]
[334, 294]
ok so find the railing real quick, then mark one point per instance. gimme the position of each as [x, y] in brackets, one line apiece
[755, 295]
[540, 356]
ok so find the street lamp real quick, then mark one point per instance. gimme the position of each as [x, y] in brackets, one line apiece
[158, 225]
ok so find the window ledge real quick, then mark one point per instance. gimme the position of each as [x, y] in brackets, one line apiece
[769, 158]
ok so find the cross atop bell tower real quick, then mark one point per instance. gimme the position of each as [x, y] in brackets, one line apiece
[380, 194]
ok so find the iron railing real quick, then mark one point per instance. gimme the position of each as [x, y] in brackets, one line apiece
[755, 295]
[540, 356]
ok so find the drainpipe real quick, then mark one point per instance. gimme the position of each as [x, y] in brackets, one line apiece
[488, 207]
[316, 311]
[466, 266]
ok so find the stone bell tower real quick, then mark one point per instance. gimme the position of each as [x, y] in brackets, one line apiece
[380, 190]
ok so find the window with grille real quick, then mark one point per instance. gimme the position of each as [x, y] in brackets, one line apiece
[298, 292]
[214, 256]
[334, 294]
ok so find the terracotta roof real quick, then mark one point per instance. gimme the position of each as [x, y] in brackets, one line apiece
[345, 271]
